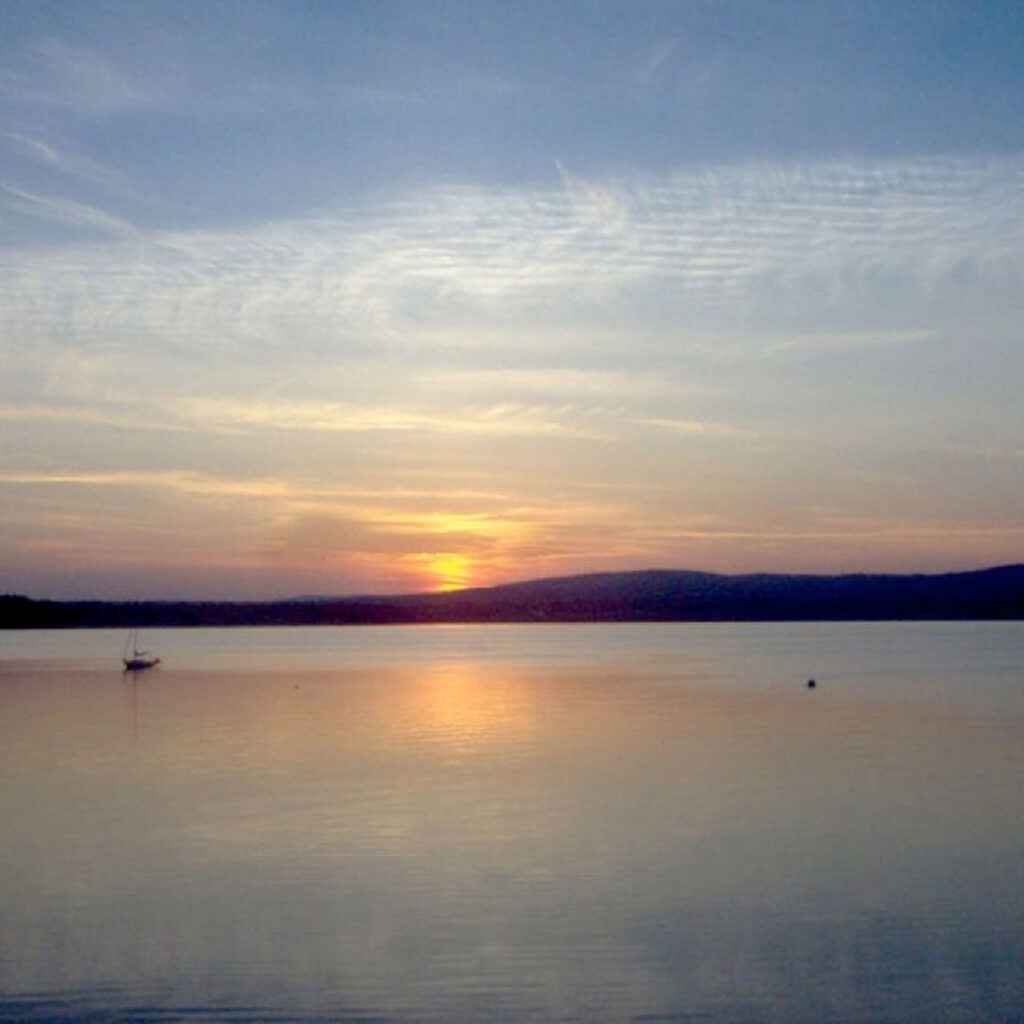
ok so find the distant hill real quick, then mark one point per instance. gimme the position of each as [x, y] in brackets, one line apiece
[656, 595]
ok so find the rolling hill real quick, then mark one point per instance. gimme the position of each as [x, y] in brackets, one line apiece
[656, 595]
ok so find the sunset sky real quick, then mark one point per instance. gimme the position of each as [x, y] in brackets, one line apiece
[340, 297]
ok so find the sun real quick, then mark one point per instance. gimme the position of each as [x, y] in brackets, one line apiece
[450, 571]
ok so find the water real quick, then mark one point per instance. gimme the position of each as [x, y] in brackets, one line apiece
[515, 823]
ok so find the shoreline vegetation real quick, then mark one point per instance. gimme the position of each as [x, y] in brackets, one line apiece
[656, 595]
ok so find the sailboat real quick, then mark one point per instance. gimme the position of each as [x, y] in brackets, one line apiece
[137, 659]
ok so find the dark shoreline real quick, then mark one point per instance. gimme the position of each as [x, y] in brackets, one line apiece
[644, 596]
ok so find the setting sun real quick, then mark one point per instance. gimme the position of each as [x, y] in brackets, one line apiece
[449, 571]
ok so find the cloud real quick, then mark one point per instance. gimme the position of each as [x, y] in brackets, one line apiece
[988, 452]
[694, 428]
[65, 160]
[179, 481]
[506, 420]
[604, 207]
[440, 507]
[59, 74]
[452, 257]
[470, 315]
[656, 60]
[138, 417]
[66, 211]
[36, 149]
[838, 340]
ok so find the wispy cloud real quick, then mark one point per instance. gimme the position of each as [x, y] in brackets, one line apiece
[505, 420]
[838, 340]
[34, 148]
[137, 417]
[660, 54]
[444, 259]
[694, 428]
[58, 156]
[66, 211]
[988, 452]
[56, 73]
[172, 480]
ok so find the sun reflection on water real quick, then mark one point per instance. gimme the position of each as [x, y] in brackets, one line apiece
[466, 711]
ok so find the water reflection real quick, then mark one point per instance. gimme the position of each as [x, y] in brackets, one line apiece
[485, 839]
[467, 712]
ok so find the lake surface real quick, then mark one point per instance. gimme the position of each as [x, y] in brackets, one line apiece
[642, 822]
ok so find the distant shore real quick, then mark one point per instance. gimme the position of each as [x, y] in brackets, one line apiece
[657, 595]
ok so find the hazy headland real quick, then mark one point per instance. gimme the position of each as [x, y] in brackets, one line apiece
[644, 596]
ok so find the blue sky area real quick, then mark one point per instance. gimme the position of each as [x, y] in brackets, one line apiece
[336, 297]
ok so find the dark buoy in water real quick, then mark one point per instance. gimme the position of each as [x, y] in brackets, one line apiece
[811, 684]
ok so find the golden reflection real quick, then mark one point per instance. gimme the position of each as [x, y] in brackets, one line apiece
[466, 712]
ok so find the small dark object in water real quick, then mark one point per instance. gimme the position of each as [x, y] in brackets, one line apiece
[811, 684]
[139, 662]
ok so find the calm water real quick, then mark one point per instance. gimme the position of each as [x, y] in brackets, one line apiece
[540, 823]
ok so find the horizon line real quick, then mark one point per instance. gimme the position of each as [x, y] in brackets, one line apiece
[453, 591]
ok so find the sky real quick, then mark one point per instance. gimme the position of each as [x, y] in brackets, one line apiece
[308, 297]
